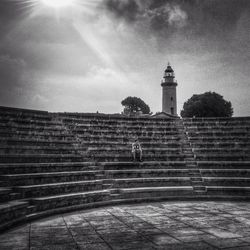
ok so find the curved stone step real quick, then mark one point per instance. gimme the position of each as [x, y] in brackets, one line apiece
[229, 190]
[37, 135]
[40, 158]
[221, 145]
[125, 133]
[129, 139]
[214, 133]
[215, 139]
[147, 192]
[124, 126]
[12, 211]
[151, 182]
[58, 188]
[217, 150]
[226, 181]
[25, 168]
[223, 157]
[5, 194]
[6, 150]
[143, 165]
[145, 173]
[145, 157]
[53, 177]
[73, 199]
[17, 142]
[224, 164]
[226, 172]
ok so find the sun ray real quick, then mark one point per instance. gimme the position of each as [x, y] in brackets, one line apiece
[58, 8]
[57, 3]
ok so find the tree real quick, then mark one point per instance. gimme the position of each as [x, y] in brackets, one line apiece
[209, 104]
[135, 104]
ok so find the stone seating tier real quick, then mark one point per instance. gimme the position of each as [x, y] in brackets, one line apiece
[223, 165]
[129, 139]
[217, 139]
[156, 192]
[124, 126]
[146, 173]
[222, 157]
[241, 192]
[29, 122]
[220, 128]
[21, 149]
[54, 177]
[144, 165]
[39, 158]
[226, 173]
[18, 142]
[218, 150]
[221, 145]
[12, 212]
[39, 190]
[219, 133]
[227, 181]
[57, 162]
[70, 200]
[26, 168]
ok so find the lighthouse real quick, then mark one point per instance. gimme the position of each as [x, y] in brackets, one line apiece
[169, 99]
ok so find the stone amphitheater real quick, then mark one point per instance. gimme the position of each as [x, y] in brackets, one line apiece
[53, 163]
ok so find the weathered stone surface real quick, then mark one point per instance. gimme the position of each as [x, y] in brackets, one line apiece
[162, 225]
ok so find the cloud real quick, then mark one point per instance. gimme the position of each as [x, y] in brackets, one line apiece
[128, 9]
[12, 71]
[176, 16]
[158, 17]
[198, 17]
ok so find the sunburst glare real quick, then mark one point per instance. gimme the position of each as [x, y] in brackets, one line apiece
[58, 3]
[40, 6]
[80, 14]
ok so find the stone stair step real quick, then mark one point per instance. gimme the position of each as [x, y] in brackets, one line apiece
[15, 196]
[5, 193]
[12, 211]
[226, 181]
[223, 157]
[225, 172]
[45, 178]
[26, 168]
[144, 173]
[151, 182]
[39, 158]
[58, 188]
[31, 209]
[196, 179]
[244, 191]
[147, 192]
[69, 200]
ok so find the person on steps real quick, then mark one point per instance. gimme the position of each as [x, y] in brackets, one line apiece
[136, 150]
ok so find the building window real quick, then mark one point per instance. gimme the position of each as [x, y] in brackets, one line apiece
[172, 111]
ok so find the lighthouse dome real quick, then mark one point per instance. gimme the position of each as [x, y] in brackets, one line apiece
[169, 69]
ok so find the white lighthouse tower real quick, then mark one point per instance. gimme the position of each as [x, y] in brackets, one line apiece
[169, 98]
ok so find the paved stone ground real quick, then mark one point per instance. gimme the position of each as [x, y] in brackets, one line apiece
[166, 225]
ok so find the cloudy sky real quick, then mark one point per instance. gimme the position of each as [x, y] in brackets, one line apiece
[89, 55]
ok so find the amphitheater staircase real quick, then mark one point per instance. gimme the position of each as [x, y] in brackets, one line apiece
[194, 172]
[222, 152]
[57, 162]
